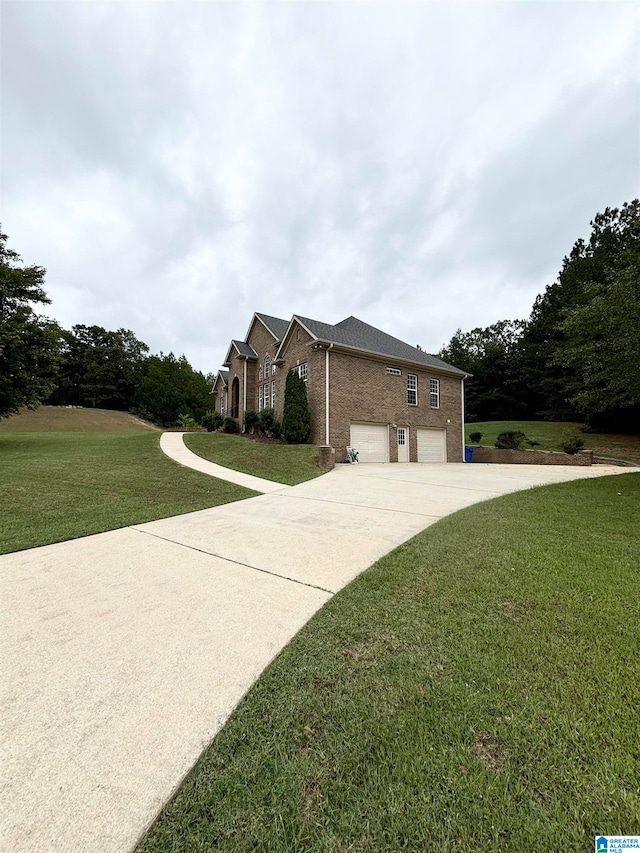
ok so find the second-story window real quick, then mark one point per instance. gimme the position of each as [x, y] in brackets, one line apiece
[434, 393]
[412, 389]
[267, 365]
[267, 395]
[260, 374]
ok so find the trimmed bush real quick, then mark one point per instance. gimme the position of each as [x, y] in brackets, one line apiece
[296, 419]
[229, 425]
[510, 441]
[212, 421]
[250, 420]
[572, 445]
[266, 420]
[475, 437]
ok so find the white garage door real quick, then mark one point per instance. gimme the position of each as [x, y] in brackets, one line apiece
[432, 445]
[371, 441]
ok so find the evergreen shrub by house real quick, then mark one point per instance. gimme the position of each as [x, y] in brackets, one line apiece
[250, 420]
[296, 418]
[265, 420]
[511, 440]
[229, 425]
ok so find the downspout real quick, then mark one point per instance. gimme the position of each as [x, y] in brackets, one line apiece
[326, 393]
[462, 412]
[244, 392]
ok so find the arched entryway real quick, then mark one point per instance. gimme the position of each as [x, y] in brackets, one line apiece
[235, 397]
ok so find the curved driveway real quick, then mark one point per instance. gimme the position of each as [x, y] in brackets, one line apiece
[124, 653]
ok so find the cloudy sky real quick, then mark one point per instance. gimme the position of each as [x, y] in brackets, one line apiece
[424, 166]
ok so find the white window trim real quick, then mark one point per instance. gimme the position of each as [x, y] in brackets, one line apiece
[267, 395]
[273, 394]
[260, 398]
[434, 393]
[412, 390]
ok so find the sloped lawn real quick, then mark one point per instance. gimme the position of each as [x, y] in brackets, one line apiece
[477, 689]
[58, 486]
[282, 463]
[550, 436]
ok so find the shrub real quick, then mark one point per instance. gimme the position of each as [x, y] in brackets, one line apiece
[186, 422]
[475, 437]
[229, 425]
[296, 419]
[265, 420]
[211, 421]
[250, 420]
[276, 429]
[572, 444]
[510, 440]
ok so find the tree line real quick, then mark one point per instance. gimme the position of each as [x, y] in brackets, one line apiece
[577, 356]
[40, 362]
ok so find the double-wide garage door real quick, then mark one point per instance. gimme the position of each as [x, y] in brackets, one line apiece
[371, 441]
[432, 445]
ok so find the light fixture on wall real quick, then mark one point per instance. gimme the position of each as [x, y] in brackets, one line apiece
[395, 426]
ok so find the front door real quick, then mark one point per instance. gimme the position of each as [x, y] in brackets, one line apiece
[403, 444]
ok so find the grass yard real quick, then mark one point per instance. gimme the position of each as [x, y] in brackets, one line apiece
[61, 485]
[477, 689]
[282, 463]
[62, 419]
[550, 435]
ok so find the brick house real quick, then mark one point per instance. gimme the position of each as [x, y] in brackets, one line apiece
[390, 401]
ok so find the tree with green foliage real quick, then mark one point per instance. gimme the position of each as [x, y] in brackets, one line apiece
[594, 286]
[296, 418]
[171, 389]
[492, 355]
[29, 343]
[99, 368]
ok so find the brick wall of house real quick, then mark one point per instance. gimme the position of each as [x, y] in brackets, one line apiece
[362, 391]
[297, 351]
[264, 344]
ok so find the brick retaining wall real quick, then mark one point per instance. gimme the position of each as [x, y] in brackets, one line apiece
[531, 457]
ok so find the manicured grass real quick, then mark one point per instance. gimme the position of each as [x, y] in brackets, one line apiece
[550, 435]
[58, 486]
[476, 689]
[283, 463]
[61, 419]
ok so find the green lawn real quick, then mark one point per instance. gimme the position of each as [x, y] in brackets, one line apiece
[283, 463]
[477, 689]
[58, 486]
[550, 436]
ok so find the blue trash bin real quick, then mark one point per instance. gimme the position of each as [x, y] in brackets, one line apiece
[468, 454]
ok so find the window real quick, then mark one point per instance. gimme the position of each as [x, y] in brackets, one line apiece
[222, 404]
[267, 362]
[273, 370]
[267, 396]
[402, 436]
[434, 393]
[260, 398]
[273, 394]
[301, 370]
[260, 374]
[394, 371]
[412, 389]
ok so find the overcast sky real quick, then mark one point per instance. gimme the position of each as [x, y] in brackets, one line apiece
[177, 166]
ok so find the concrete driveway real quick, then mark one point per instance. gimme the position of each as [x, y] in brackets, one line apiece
[124, 653]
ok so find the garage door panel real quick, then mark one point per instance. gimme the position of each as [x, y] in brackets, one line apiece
[432, 445]
[371, 441]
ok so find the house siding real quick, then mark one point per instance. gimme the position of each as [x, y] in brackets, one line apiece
[362, 391]
[296, 352]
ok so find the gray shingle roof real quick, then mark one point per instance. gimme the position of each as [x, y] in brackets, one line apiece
[354, 333]
[245, 348]
[275, 324]
[225, 376]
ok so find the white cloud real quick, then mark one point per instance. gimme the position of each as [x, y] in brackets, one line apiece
[423, 166]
